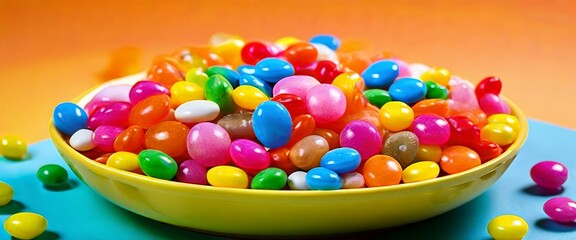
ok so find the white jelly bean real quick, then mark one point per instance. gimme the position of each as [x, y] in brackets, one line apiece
[81, 140]
[325, 53]
[197, 111]
[353, 180]
[297, 181]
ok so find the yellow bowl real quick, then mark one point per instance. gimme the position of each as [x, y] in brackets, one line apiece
[283, 213]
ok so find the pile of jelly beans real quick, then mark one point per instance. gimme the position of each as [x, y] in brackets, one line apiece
[318, 114]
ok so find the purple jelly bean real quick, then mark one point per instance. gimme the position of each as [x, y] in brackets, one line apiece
[363, 137]
[191, 171]
[144, 89]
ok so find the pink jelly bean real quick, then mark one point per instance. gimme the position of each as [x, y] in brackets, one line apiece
[208, 144]
[462, 98]
[144, 89]
[104, 137]
[297, 85]
[191, 171]
[549, 174]
[493, 104]
[113, 114]
[249, 155]
[403, 68]
[113, 93]
[363, 137]
[431, 129]
[560, 209]
[326, 103]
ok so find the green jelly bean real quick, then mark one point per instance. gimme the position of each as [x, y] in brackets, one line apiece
[232, 76]
[219, 90]
[377, 97]
[436, 90]
[197, 75]
[270, 178]
[157, 164]
[52, 175]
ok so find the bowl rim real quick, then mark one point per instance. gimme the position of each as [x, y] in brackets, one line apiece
[168, 185]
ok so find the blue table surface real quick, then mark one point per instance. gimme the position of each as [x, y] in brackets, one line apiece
[78, 212]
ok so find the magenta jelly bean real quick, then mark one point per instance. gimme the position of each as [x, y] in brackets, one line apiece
[297, 85]
[208, 144]
[144, 89]
[104, 137]
[113, 93]
[249, 155]
[431, 129]
[493, 104]
[326, 103]
[403, 68]
[113, 114]
[362, 136]
[191, 171]
[549, 174]
[560, 209]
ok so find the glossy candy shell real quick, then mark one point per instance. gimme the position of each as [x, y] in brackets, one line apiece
[208, 208]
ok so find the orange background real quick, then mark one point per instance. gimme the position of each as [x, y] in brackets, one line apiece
[51, 51]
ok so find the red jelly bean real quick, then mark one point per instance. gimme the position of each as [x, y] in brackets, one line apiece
[253, 52]
[279, 158]
[326, 71]
[169, 137]
[294, 104]
[302, 126]
[301, 54]
[488, 85]
[150, 111]
[463, 131]
[130, 140]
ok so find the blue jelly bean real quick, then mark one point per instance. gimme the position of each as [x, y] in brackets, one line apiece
[246, 69]
[253, 81]
[69, 118]
[321, 178]
[341, 160]
[380, 74]
[273, 69]
[328, 40]
[272, 124]
[230, 75]
[408, 90]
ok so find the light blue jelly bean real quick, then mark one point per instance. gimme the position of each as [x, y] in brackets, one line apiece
[230, 75]
[273, 69]
[341, 160]
[272, 124]
[321, 178]
[328, 40]
[380, 74]
[408, 90]
[69, 118]
[246, 69]
[253, 81]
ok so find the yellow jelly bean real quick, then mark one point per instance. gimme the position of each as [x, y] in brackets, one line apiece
[347, 81]
[229, 50]
[124, 160]
[420, 171]
[25, 225]
[227, 176]
[13, 147]
[507, 227]
[437, 74]
[499, 133]
[197, 75]
[183, 91]
[396, 116]
[189, 61]
[507, 119]
[248, 97]
[286, 42]
[6, 193]
[431, 153]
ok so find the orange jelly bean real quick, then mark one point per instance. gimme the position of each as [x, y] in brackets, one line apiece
[130, 140]
[103, 158]
[457, 158]
[435, 106]
[331, 137]
[382, 170]
[356, 61]
[302, 126]
[301, 54]
[166, 71]
[279, 158]
[169, 137]
[150, 111]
